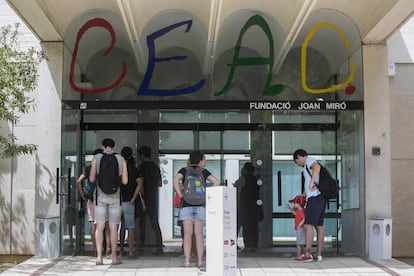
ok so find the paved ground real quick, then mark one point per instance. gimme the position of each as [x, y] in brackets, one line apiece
[248, 265]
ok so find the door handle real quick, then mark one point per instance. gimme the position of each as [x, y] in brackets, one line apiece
[58, 182]
[279, 188]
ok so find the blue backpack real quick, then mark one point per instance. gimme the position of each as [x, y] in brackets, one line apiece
[88, 187]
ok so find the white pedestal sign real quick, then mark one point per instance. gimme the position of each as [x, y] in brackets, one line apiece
[221, 233]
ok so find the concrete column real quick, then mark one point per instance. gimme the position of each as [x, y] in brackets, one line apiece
[377, 134]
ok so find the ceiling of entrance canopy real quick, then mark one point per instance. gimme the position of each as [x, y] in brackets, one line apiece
[207, 32]
[374, 19]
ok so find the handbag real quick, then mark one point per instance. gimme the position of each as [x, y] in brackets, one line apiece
[178, 201]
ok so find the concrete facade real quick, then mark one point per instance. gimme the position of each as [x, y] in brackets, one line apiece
[28, 183]
[401, 50]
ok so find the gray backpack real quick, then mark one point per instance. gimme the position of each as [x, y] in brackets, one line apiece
[194, 186]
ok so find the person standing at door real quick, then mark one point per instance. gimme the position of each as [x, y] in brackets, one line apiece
[298, 211]
[129, 195]
[89, 201]
[193, 215]
[151, 176]
[315, 206]
[107, 203]
[248, 194]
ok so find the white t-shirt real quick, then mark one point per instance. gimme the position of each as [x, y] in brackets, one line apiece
[315, 192]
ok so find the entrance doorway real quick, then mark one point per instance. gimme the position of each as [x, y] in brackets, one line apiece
[229, 139]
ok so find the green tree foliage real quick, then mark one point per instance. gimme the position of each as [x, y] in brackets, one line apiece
[18, 80]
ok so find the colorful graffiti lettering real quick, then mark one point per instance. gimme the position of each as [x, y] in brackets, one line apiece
[145, 89]
[256, 20]
[96, 22]
[269, 90]
[303, 60]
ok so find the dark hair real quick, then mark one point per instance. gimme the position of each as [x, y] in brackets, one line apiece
[195, 157]
[107, 142]
[97, 151]
[126, 152]
[299, 152]
[144, 151]
[247, 169]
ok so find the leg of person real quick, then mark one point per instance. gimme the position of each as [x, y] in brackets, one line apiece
[142, 223]
[108, 240]
[320, 233]
[131, 240]
[152, 215]
[320, 239]
[137, 232]
[128, 210]
[300, 244]
[91, 219]
[99, 211]
[309, 238]
[122, 232]
[198, 232]
[188, 236]
[114, 218]
[93, 231]
[99, 242]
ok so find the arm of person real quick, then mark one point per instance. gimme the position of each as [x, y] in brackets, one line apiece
[136, 192]
[301, 223]
[290, 209]
[316, 169]
[176, 184]
[79, 184]
[124, 179]
[213, 180]
[92, 174]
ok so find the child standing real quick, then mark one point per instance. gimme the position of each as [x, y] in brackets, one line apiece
[297, 209]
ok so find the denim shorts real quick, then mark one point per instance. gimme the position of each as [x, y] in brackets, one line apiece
[128, 212]
[193, 213]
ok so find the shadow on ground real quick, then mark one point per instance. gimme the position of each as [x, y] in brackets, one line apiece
[9, 261]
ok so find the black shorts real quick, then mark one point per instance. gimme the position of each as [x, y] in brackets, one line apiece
[314, 211]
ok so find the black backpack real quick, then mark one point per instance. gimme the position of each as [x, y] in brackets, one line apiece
[328, 186]
[194, 186]
[109, 179]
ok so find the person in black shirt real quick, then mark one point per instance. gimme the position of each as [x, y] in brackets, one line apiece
[151, 176]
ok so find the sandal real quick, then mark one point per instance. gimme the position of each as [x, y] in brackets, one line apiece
[184, 264]
[99, 263]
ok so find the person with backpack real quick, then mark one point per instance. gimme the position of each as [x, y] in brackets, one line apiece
[151, 176]
[315, 206]
[86, 190]
[129, 195]
[110, 171]
[193, 212]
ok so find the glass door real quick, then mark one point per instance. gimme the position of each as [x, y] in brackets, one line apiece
[317, 134]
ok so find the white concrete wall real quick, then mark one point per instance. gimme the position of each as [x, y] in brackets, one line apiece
[27, 183]
[377, 134]
[401, 54]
